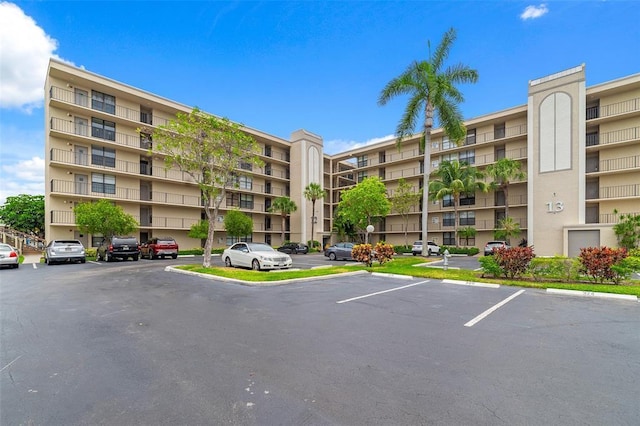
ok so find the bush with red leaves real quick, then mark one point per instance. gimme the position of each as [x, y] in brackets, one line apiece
[384, 252]
[362, 253]
[514, 261]
[596, 262]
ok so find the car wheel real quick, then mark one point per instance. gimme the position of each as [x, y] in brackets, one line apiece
[135, 258]
[255, 265]
[16, 266]
[107, 258]
[175, 256]
[227, 262]
[332, 256]
[83, 260]
[294, 251]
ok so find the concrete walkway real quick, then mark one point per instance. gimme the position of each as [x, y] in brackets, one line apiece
[31, 258]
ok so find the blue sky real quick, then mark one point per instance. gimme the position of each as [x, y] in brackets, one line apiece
[282, 66]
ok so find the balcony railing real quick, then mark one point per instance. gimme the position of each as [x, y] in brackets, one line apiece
[613, 217]
[618, 108]
[620, 191]
[74, 158]
[128, 194]
[63, 217]
[69, 127]
[623, 163]
[69, 96]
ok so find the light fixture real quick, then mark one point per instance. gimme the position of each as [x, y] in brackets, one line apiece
[69, 173]
[68, 114]
[69, 86]
[68, 143]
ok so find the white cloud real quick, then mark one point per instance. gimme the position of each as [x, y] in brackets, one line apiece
[534, 12]
[340, 145]
[23, 177]
[25, 51]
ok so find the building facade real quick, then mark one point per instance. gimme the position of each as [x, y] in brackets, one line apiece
[579, 146]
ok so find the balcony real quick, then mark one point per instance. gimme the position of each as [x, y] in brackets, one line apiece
[76, 159]
[619, 191]
[616, 164]
[64, 217]
[82, 133]
[69, 97]
[611, 110]
[85, 190]
[501, 134]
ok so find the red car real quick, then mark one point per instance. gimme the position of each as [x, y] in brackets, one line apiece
[159, 247]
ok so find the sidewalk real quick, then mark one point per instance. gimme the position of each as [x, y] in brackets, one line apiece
[31, 258]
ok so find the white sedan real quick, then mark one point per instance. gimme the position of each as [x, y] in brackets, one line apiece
[256, 256]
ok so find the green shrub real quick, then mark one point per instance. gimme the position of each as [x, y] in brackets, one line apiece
[200, 251]
[90, 252]
[490, 266]
[556, 268]
[624, 268]
[402, 249]
[469, 251]
[313, 245]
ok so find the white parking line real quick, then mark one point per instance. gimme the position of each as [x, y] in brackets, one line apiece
[381, 292]
[493, 308]
[7, 366]
[34, 266]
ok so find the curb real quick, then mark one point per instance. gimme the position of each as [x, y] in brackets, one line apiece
[471, 283]
[398, 276]
[579, 293]
[259, 283]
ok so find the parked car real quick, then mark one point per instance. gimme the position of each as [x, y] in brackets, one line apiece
[9, 256]
[294, 248]
[58, 251]
[488, 248]
[256, 256]
[339, 251]
[432, 248]
[159, 247]
[118, 248]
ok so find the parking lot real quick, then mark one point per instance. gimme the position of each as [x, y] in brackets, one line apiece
[128, 343]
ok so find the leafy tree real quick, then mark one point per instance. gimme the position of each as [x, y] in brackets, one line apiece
[209, 149]
[365, 203]
[503, 172]
[342, 226]
[313, 192]
[432, 92]
[403, 200]
[628, 230]
[238, 224]
[199, 230]
[455, 179]
[24, 213]
[467, 232]
[104, 218]
[285, 206]
[507, 228]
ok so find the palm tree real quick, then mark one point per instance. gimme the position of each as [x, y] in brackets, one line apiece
[468, 232]
[432, 91]
[455, 179]
[507, 228]
[313, 192]
[503, 172]
[285, 206]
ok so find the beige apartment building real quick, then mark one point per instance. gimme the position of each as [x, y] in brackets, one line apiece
[579, 146]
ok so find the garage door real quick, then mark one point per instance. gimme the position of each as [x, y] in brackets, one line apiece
[583, 238]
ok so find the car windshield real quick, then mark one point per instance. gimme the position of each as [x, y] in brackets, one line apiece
[260, 247]
[131, 241]
[417, 243]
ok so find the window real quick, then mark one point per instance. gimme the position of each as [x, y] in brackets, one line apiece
[450, 157]
[245, 182]
[500, 152]
[145, 141]
[246, 166]
[246, 201]
[267, 150]
[267, 204]
[468, 156]
[471, 137]
[233, 200]
[105, 184]
[103, 129]
[498, 130]
[362, 161]
[267, 188]
[103, 156]
[382, 157]
[447, 144]
[361, 176]
[233, 240]
[468, 200]
[381, 173]
[267, 223]
[448, 238]
[449, 219]
[145, 115]
[267, 169]
[467, 218]
[103, 102]
[447, 201]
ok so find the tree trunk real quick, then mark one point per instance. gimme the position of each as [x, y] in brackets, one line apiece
[313, 216]
[456, 202]
[428, 123]
[283, 223]
[506, 200]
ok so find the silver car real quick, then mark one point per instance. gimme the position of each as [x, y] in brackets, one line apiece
[9, 256]
[58, 251]
[256, 256]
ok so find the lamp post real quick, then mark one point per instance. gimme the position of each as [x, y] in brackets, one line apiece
[370, 229]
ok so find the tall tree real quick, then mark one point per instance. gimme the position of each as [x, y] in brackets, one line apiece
[210, 150]
[365, 203]
[503, 172]
[105, 218]
[507, 228]
[237, 224]
[24, 213]
[285, 206]
[455, 179]
[313, 192]
[403, 200]
[432, 92]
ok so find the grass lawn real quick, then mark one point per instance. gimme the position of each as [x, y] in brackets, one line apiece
[405, 266]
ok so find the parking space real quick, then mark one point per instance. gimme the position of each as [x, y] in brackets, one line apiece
[403, 351]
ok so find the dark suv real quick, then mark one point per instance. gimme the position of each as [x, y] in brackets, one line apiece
[118, 248]
[159, 247]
